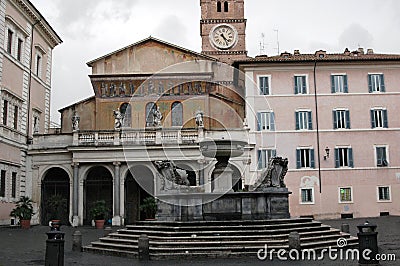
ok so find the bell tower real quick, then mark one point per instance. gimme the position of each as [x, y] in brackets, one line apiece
[223, 29]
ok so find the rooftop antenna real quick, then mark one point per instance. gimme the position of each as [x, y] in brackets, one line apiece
[277, 41]
[262, 44]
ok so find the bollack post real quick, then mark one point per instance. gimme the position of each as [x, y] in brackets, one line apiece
[77, 241]
[345, 228]
[294, 241]
[144, 248]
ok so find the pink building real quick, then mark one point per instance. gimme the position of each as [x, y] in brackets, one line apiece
[27, 41]
[334, 116]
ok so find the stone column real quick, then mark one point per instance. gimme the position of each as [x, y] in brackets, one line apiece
[117, 194]
[75, 195]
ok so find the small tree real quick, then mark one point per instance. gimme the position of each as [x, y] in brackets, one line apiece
[99, 210]
[23, 209]
[149, 207]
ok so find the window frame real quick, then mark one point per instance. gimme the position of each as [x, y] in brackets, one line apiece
[5, 109]
[264, 116]
[260, 91]
[265, 154]
[340, 161]
[38, 64]
[310, 164]
[174, 111]
[16, 117]
[384, 118]
[303, 82]
[351, 195]
[338, 118]
[20, 49]
[312, 202]
[372, 80]
[14, 185]
[10, 41]
[306, 121]
[389, 194]
[344, 81]
[382, 165]
[3, 177]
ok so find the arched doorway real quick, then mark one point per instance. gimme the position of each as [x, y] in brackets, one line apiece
[98, 186]
[55, 196]
[139, 185]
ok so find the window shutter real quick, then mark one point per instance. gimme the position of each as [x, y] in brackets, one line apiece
[296, 116]
[385, 119]
[382, 78]
[310, 127]
[337, 163]
[258, 121]
[346, 87]
[272, 121]
[298, 158]
[296, 86]
[333, 89]
[334, 116]
[273, 153]
[304, 88]
[373, 119]
[370, 83]
[351, 161]
[348, 125]
[259, 159]
[312, 158]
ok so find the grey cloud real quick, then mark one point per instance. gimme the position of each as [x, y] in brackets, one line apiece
[355, 35]
[172, 26]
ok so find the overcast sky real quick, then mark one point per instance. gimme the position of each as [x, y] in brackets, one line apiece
[92, 28]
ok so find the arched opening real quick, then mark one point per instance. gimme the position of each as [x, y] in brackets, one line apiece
[55, 196]
[98, 186]
[177, 114]
[219, 6]
[226, 6]
[139, 185]
[150, 108]
[126, 112]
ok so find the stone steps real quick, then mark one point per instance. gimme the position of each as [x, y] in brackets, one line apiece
[217, 239]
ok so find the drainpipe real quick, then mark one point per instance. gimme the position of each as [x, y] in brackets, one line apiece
[28, 138]
[317, 118]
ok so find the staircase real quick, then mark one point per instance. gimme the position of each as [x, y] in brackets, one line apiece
[217, 239]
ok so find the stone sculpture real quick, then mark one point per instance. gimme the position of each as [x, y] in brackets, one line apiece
[170, 176]
[199, 119]
[157, 117]
[75, 121]
[273, 176]
[118, 119]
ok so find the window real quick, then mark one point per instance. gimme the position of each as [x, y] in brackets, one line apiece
[266, 121]
[304, 120]
[383, 193]
[126, 112]
[305, 158]
[376, 83]
[379, 118]
[150, 109]
[19, 50]
[381, 157]
[344, 157]
[339, 84]
[16, 110]
[38, 64]
[5, 112]
[36, 124]
[345, 194]
[300, 85]
[264, 156]
[226, 6]
[341, 119]
[219, 6]
[9, 41]
[307, 196]
[177, 114]
[14, 185]
[3, 183]
[264, 86]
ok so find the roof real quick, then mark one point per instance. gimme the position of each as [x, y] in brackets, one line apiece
[322, 56]
[155, 40]
[76, 103]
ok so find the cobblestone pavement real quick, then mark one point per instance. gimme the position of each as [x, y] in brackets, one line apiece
[27, 247]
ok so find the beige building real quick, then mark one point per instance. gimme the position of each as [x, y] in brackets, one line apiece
[26, 44]
[335, 117]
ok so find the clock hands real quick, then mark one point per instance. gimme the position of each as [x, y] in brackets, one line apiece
[225, 39]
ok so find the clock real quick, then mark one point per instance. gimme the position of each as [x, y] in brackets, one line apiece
[223, 36]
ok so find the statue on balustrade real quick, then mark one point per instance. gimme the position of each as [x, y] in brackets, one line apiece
[273, 176]
[157, 117]
[117, 119]
[199, 119]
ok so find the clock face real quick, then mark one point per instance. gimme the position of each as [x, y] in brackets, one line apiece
[223, 36]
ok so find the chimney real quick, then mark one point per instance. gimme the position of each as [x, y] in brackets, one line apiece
[296, 52]
[370, 51]
[346, 52]
[361, 50]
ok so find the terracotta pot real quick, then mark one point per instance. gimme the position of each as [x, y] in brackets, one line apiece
[100, 224]
[25, 224]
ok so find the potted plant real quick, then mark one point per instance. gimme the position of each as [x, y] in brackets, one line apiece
[57, 207]
[23, 211]
[98, 213]
[149, 207]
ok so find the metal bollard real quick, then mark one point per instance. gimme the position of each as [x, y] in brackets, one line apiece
[345, 228]
[144, 248]
[294, 241]
[77, 241]
[54, 248]
[367, 239]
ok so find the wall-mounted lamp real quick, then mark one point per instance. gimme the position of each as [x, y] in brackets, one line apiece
[327, 151]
